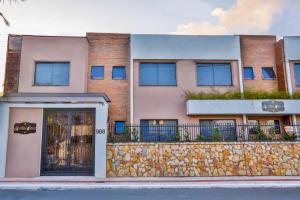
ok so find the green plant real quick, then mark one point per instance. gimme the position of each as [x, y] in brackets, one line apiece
[177, 136]
[201, 95]
[135, 135]
[216, 136]
[200, 138]
[289, 137]
[260, 135]
[186, 135]
[296, 95]
[252, 94]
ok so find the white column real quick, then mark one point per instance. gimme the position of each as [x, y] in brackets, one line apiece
[100, 140]
[4, 123]
[241, 76]
[245, 127]
[288, 77]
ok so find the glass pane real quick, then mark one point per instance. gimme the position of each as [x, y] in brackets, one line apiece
[120, 127]
[297, 74]
[97, 72]
[81, 141]
[148, 74]
[61, 73]
[248, 73]
[43, 74]
[205, 74]
[119, 73]
[268, 73]
[166, 74]
[222, 74]
[56, 158]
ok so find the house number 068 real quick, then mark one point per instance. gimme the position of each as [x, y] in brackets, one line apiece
[100, 131]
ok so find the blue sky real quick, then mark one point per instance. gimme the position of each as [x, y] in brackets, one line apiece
[75, 17]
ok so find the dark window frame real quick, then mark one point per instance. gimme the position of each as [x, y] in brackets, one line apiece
[120, 67]
[249, 67]
[262, 69]
[295, 76]
[95, 66]
[51, 62]
[158, 85]
[214, 85]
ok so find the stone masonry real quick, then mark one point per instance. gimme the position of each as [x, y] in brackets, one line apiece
[203, 159]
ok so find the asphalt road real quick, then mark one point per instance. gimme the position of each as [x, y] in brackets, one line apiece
[154, 194]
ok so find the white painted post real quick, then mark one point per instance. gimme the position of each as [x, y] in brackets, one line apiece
[100, 140]
[4, 123]
[241, 77]
[131, 86]
[288, 76]
[245, 127]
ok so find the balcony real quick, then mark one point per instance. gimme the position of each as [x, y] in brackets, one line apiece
[241, 106]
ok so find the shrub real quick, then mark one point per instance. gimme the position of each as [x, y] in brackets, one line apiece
[260, 135]
[200, 138]
[216, 136]
[214, 95]
[296, 95]
[250, 94]
[177, 136]
[290, 137]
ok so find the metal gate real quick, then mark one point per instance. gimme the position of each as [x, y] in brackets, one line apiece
[68, 142]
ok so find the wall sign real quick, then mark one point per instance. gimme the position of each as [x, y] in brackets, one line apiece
[273, 106]
[100, 131]
[25, 128]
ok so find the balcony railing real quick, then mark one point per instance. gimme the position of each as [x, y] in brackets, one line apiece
[202, 133]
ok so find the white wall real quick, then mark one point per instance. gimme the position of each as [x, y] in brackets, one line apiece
[185, 47]
[292, 47]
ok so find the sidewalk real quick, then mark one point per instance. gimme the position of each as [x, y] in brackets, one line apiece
[61, 183]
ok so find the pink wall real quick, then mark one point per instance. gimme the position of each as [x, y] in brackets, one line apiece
[68, 49]
[24, 151]
[169, 102]
[292, 68]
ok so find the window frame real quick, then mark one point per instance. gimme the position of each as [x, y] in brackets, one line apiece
[51, 62]
[262, 74]
[249, 67]
[120, 67]
[214, 85]
[157, 85]
[116, 133]
[295, 75]
[95, 66]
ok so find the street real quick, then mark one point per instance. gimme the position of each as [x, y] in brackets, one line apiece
[154, 194]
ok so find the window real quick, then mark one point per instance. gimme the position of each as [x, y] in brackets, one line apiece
[226, 128]
[97, 72]
[52, 73]
[297, 74]
[158, 74]
[273, 126]
[120, 127]
[214, 74]
[119, 73]
[248, 73]
[268, 73]
[158, 130]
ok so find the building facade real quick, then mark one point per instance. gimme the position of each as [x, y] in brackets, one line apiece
[60, 93]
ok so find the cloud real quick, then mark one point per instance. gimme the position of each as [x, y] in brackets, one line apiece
[245, 16]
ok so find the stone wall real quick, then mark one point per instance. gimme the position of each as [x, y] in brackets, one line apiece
[203, 159]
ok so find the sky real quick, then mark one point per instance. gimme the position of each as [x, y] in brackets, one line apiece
[76, 17]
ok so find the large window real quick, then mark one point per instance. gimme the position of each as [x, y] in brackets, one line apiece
[158, 130]
[214, 75]
[297, 74]
[248, 73]
[157, 74]
[268, 73]
[120, 127]
[119, 73]
[97, 72]
[211, 129]
[52, 73]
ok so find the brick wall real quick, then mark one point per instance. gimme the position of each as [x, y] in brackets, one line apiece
[13, 58]
[110, 50]
[258, 52]
[280, 63]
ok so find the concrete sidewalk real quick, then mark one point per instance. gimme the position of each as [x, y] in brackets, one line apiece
[54, 183]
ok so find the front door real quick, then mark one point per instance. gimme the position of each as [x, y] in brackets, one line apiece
[68, 142]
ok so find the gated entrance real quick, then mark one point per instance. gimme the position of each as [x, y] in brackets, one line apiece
[68, 142]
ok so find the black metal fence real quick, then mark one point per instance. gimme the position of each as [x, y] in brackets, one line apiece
[202, 133]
